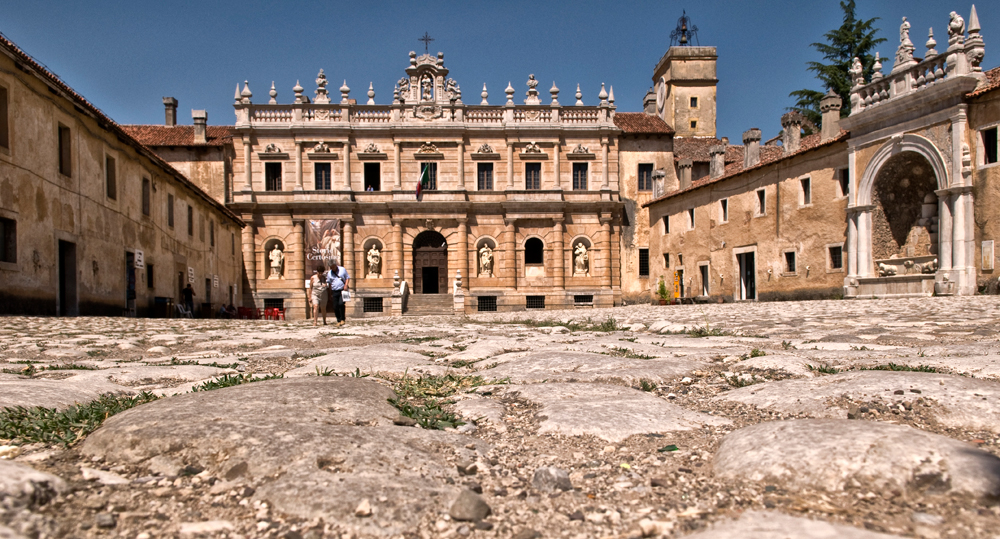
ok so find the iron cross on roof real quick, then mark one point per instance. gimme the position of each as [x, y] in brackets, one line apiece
[427, 41]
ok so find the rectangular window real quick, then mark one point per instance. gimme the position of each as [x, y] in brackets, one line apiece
[724, 210]
[532, 175]
[274, 303]
[149, 276]
[485, 175]
[806, 190]
[431, 171]
[372, 305]
[272, 176]
[694, 102]
[8, 240]
[666, 260]
[643, 262]
[990, 149]
[373, 177]
[110, 179]
[705, 279]
[988, 255]
[790, 262]
[65, 151]
[691, 219]
[4, 114]
[579, 176]
[232, 243]
[666, 224]
[211, 232]
[146, 194]
[694, 124]
[486, 304]
[170, 211]
[836, 257]
[190, 221]
[534, 302]
[761, 199]
[322, 173]
[844, 181]
[645, 176]
[201, 228]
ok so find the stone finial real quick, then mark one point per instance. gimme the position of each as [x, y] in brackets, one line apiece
[345, 93]
[322, 94]
[975, 47]
[532, 94]
[830, 107]
[877, 67]
[246, 94]
[579, 95]
[554, 92]
[931, 52]
[274, 95]
[791, 125]
[717, 163]
[395, 95]
[413, 58]
[510, 93]
[484, 95]
[603, 95]
[611, 96]
[371, 94]
[236, 97]
[298, 89]
[751, 147]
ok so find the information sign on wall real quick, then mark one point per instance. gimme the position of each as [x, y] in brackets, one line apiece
[190, 275]
[140, 259]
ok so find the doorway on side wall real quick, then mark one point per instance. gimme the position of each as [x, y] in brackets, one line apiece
[748, 276]
[68, 302]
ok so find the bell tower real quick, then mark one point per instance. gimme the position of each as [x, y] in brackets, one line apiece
[684, 81]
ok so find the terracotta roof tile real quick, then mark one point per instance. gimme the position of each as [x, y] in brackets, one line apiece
[104, 121]
[768, 156]
[992, 82]
[696, 149]
[642, 123]
[178, 135]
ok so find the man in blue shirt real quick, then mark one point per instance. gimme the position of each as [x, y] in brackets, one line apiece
[338, 278]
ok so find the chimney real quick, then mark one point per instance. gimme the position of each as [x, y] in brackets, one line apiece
[170, 106]
[791, 125]
[829, 106]
[684, 173]
[751, 147]
[200, 118]
[717, 167]
[649, 103]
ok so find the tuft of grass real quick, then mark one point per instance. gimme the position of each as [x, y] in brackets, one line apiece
[757, 352]
[742, 381]
[787, 345]
[428, 414]
[896, 367]
[619, 351]
[95, 353]
[68, 367]
[464, 363]
[861, 348]
[229, 380]
[417, 340]
[647, 385]
[705, 331]
[422, 398]
[823, 369]
[50, 426]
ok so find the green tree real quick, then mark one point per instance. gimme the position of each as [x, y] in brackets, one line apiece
[854, 38]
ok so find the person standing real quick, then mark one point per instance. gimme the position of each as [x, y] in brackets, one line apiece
[188, 294]
[338, 279]
[319, 288]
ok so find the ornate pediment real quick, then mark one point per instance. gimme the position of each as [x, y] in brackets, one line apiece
[371, 148]
[485, 148]
[427, 147]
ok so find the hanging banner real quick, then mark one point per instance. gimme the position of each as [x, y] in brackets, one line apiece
[322, 243]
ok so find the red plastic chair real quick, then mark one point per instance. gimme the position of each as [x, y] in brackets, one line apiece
[278, 313]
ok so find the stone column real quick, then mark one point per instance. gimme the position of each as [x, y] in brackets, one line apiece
[461, 174]
[944, 230]
[397, 249]
[558, 254]
[556, 178]
[509, 255]
[297, 272]
[605, 173]
[510, 166]
[398, 174]
[298, 165]
[958, 261]
[463, 250]
[347, 164]
[247, 165]
[864, 244]
[852, 244]
[250, 259]
[607, 272]
[348, 252]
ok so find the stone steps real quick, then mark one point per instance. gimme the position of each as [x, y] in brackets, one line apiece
[429, 304]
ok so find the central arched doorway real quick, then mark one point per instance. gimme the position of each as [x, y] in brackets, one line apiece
[430, 263]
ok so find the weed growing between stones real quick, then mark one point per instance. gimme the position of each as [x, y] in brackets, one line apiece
[216, 364]
[647, 385]
[618, 351]
[227, 380]
[608, 325]
[50, 426]
[705, 331]
[421, 399]
[417, 340]
[823, 369]
[742, 380]
[896, 367]
[757, 352]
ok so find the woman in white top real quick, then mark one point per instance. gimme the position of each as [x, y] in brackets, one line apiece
[319, 287]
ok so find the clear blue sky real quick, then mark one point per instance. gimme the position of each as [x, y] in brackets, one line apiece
[125, 55]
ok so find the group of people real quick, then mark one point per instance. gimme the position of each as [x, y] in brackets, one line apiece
[329, 285]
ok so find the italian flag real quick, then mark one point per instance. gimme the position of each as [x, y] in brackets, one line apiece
[425, 180]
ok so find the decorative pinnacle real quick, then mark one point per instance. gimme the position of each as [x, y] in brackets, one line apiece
[611, 96]
[345, 91]
[931, 43]
[371, 94]
[485, 94]
[603, 96]
[974, 22]
[274, 94]
[237, 96]
[510, 93]
[579, 95]
[554, 91]
[877, 67]
[246, 93]
[298, 88]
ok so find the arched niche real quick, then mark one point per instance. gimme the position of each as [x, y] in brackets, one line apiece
[904, 208]
[486, 256]
[275, 259]
[534, 257]
[581, 256]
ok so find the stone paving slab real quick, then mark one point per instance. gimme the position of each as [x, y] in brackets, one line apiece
[555, 365]
[772, 525]
[388, 358]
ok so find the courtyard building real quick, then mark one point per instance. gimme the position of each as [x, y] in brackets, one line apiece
[91, 221]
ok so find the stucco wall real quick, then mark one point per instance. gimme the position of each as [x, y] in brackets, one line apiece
[984, 112]
[635, 236]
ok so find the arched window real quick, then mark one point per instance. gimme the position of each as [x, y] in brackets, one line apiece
[533, 251]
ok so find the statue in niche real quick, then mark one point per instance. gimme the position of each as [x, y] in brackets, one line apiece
[374, 262]
[426, 88]
[485, 261]
[580, 259]
[277, 258]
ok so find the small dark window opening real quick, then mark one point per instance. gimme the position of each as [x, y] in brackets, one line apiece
[760, 202]
[373, 177]
[8, 240]
[534, 251]
[583, 299]
[694, 103]
[146, 194]
[990, 145]
[532, 175]
[110, 177]
[274, 303]
[149, 276]
[272, 176]
[65, 151]
[845, 182]
[691, 218]
[170, 211]
[790, 262]
[485, 175]
[534, 302]
[806, 191]
[666, 224]
[579, 176]
[431, 171]
[694, 124]
[4, 121]
[486, 304]
[643, 262]
[211, 232]
[724, 205]
[190, 221]
[322, 173]
[372, 305]
[666, 260]
[645, 176]
[836, 257]
[232, 239]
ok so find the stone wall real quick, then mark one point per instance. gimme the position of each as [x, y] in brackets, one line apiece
[984, 111]
[635, 235]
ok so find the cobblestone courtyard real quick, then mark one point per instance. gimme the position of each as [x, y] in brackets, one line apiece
[859, 419]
